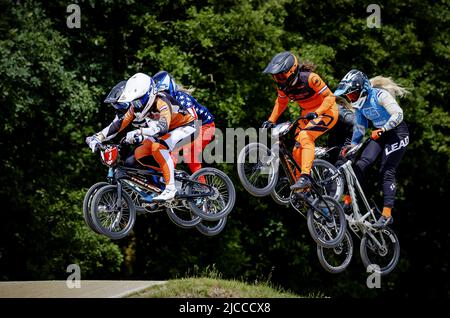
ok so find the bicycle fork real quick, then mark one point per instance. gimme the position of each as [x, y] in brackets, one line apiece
[119, 206]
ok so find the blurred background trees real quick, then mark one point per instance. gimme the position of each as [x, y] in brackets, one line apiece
[54, 79]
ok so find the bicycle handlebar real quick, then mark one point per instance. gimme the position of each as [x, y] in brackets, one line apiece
[105, 146]
[355, 149]
[295, 122]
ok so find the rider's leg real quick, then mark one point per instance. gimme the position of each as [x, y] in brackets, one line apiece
[306, 137]
[162, 156]
[131, 162]
[193, 152]
[303, 154]
[297, 154]
[368, 157]
[174, 139]
[395, 145]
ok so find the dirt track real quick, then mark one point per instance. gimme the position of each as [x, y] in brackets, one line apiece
[59, 289]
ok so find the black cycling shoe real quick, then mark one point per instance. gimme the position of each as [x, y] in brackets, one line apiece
[302, 183]
[383, 222]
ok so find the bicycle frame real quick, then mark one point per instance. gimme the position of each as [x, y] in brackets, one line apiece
[357, 218]
[134, 175]
[280, 147]
[136, 178]
[358, 221]
[287, 160]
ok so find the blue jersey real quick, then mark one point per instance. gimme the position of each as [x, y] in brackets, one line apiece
[186, 101]
[373, 110]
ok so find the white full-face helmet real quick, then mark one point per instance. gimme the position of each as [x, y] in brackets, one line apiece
[140, 91]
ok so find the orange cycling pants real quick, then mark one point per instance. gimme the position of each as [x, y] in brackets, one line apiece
[305, 135]
[159, 152]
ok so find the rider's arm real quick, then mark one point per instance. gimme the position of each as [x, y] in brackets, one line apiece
[319, 86]
[360, 127]
[281, 104]
[165, 116]
[186, 102]
[117, 125]
[346, 116]
[388, 101]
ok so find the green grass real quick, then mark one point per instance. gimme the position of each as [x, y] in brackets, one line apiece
[203, 287]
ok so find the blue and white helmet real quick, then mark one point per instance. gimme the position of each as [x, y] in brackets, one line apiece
[165, 82]
[355, 86]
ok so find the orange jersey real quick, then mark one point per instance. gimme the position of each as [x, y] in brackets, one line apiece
[309, 91]
[161, 111]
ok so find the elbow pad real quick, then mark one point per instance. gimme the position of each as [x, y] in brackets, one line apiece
[162, 126]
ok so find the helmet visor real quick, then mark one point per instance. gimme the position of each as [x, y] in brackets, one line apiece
[353, 96]
[283, 80]
[280, 77]
[140, 103]
[121, 106]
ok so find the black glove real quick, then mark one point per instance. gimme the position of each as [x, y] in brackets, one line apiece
[268, 124]
[311, 115]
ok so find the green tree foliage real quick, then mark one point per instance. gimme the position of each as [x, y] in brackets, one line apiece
[45, 109]
[54, 80]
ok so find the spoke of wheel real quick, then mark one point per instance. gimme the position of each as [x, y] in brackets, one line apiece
[107, 220]
[108, 199]
[324, 229]
[254, 177]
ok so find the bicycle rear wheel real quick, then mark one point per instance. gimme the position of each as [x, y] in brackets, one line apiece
[380, 250]
[181, 214]
[336, 260]
[220, 203]
[211, 228]
[87, 204]
[257, 169]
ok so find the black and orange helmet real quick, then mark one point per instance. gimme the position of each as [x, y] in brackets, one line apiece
[284, 68]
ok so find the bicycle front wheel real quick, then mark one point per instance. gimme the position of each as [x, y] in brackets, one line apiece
[112, 218]
[257, 169]
[380, 251]
[336, 260]
[328, 226]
